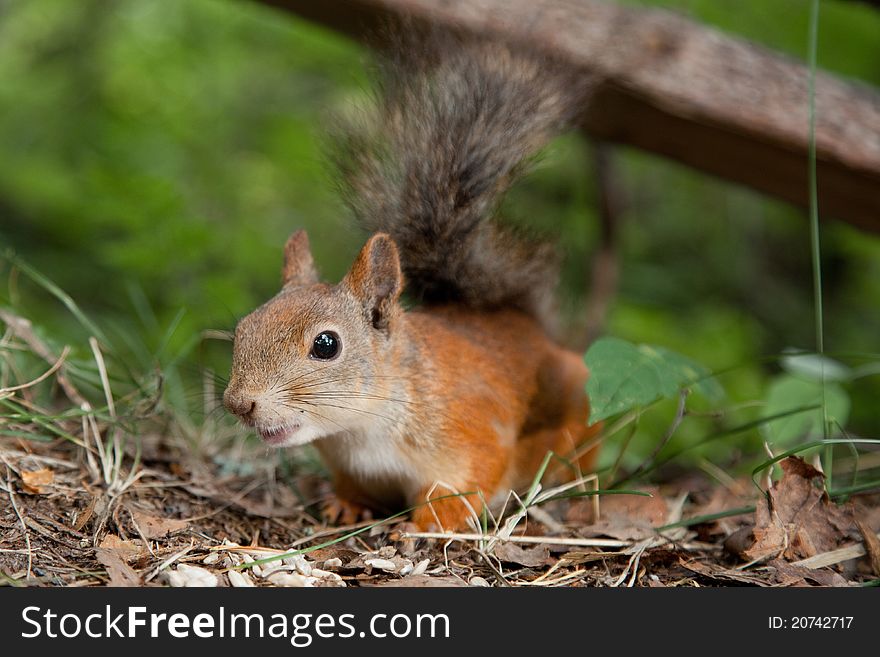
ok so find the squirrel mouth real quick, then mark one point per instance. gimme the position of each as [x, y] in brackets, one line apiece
[277, 435]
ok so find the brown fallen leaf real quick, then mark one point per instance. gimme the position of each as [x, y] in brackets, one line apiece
[36, 481]
[740, 541]
[86, 515]
[120, 573]
[624, 517]
[789, 575]
[714, 571]
[113, 542]
[797, 520]
[866, 507]
[872, 545]
[530, 557]
[721, 499]
[154, 527]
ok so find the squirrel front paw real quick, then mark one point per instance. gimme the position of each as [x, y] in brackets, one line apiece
[447, 514]
[339, 511]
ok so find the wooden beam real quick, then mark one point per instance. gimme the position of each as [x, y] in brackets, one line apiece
[677, 88]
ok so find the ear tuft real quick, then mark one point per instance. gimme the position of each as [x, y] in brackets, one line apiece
[299, 267]
[376, 280]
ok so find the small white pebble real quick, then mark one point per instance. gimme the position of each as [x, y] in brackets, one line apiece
[256, 570]
[239, 580]
[406, 568]
[325, 574]
[292, 580]
[298, 561]
[174, 578]
[214, 557]
[476, 580]
[270, 569]
[381, 564]
[421, 567]
[335, 562]
[191, 576]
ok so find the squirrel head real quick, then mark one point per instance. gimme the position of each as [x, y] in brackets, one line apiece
[309, 363]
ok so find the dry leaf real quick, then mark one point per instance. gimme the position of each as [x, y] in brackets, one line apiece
[715, 571]
[36, 481]
[719, 500]
[120, 573]
[740, 541]
[530, 557]
[799, 520]
[624, 517]
[128, 549]
[790, 575]
[154, 527]
[872, 545]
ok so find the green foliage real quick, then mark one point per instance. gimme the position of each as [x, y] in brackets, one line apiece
[157, 155]
[624, 376]
[809, 380]
[786, 392]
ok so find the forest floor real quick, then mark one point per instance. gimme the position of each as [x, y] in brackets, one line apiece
[127, 492]
[181, 521]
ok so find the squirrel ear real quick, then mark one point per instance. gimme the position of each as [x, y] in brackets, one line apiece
[299, 268]
[376, 280]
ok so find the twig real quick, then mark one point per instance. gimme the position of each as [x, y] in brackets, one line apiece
[552, 540]
[632, 565]
[27, 537]
[170, 560]
[846, 553]
[575, 574]
[546, 519]
[330, 531]
[21, 327]
[45, 375]
[680, 412]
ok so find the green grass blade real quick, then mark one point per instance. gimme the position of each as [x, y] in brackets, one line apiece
[59, 294]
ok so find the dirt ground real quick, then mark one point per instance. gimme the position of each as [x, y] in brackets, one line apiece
[182, 522]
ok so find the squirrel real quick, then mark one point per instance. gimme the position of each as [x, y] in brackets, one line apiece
[453, 403]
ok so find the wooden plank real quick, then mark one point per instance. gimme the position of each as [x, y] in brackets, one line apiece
[677, 88]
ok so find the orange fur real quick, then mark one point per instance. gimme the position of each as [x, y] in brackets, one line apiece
[417, 405]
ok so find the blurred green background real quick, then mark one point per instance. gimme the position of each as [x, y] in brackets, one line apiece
[157, 153]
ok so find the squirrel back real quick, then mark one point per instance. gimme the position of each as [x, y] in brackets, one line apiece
[454, 123]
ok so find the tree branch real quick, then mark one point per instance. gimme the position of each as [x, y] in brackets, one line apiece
[677, 88]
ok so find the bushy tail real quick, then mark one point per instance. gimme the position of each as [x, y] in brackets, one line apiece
[454, 122]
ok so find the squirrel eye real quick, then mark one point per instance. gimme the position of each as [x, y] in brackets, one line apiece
[325, 346]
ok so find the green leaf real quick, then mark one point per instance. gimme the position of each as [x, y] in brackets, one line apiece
[787, 392]
[816, 367]
[624, 376]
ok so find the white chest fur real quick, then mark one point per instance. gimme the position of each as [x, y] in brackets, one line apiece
[375, 460]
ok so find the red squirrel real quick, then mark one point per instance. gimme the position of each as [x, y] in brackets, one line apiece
[467, 391]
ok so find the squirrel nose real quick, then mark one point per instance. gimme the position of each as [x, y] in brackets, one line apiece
[238, 403]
